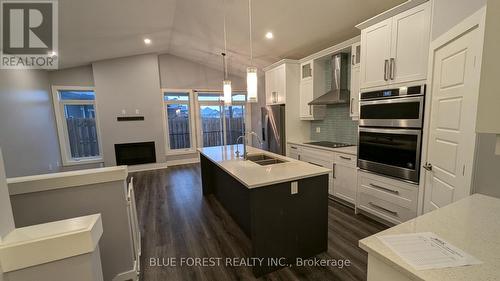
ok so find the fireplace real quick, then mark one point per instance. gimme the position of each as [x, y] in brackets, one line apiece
[135, 153]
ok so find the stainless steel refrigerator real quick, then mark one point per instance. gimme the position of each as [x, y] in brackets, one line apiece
[273, 128]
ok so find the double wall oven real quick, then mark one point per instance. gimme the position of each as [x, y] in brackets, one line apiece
[390, 132]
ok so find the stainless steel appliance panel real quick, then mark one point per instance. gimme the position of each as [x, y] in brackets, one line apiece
[392, 152]
[405, 112]
[273, 128]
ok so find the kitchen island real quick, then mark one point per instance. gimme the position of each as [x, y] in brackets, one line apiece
[280, 203]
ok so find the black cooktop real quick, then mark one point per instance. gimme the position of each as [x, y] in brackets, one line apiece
[329, 144]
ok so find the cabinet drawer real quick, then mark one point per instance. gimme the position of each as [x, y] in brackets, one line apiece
[346, 159]
[383, 207]
[390, 190]
[323, 155]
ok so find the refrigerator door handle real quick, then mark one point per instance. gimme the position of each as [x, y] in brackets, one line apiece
[264, 127]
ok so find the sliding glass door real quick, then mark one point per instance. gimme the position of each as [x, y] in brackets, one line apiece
[219, 124]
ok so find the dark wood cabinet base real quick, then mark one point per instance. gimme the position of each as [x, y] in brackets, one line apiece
[281, 226]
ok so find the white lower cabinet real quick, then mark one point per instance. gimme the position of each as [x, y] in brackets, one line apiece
[389, 199]
[342, 181]
[345, 177]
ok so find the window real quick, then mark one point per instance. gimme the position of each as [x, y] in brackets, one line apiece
[77, 125]
[219, 124]
[178, 121]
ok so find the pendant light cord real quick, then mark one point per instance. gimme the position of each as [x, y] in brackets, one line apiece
[250, 27]
[225, 43]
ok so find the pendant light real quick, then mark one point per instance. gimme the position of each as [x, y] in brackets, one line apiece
[251, 70]
[226, 83]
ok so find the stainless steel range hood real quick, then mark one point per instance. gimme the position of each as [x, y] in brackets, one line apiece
[339, 93]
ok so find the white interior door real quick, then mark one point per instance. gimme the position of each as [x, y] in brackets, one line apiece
[453, 117]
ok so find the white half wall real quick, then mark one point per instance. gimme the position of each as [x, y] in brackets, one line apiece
[129, 84]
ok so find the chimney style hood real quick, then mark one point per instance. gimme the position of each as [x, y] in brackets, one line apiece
[339, 93]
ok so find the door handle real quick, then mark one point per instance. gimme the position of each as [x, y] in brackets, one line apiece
[315, 164]
[386, 62]
[310, 110]
[350, 107]
[392, 68]
[428, 167]
[353, 60]
[345, 158]
[333, 171]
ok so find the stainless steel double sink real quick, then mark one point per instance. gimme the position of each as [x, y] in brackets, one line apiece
[264, 159]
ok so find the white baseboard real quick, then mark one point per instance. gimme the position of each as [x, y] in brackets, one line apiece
[183, 161]
[147, 167]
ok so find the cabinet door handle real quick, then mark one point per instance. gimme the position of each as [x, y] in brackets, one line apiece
[353, 60]
[384, 209]
[293, 147]
[346, 158]
[310, 110]
[315, 164]
[386, 63]
[392, 68]
[298, 158]
[384, 189]
[350, 106]
[333, 171]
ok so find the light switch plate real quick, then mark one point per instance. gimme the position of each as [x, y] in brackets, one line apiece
[318, 129]
[295, 187]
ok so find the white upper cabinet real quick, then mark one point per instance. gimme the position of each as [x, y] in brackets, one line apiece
[396, 49]
[276, 85]
[311, 86]
[354, 89]
[375, 49]
[410, 44]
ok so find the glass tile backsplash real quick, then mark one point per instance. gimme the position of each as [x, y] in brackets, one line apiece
[337, 126]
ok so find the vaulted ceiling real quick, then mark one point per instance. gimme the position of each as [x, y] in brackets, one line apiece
[93, 30]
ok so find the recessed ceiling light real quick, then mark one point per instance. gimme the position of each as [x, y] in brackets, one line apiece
[147, 41]
[52, 54]
[269, 35]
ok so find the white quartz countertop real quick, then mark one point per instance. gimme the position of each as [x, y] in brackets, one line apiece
[253, 175]
[471, 224]
[352, 150]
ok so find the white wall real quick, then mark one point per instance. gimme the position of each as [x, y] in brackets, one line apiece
[76, 76]
[27, 124]
[6, 217]
[130, 84]
[448, 13]
[487, 173]
[179, 73]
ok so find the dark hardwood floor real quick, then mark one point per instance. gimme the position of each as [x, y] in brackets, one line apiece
[178, 222]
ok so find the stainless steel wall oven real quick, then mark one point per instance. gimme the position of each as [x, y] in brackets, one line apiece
[390, 132]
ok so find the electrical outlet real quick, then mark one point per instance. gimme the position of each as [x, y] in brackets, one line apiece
[137, 111]
[318, 129]
[295, 187]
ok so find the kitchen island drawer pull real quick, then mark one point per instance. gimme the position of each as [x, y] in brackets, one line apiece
[346, 158]
[383, 209]
[384, 188]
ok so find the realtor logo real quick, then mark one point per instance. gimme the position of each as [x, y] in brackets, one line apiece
[29, 34]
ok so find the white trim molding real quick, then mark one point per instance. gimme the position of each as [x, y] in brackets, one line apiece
[28, 184]
[62, 131]
[183, 161]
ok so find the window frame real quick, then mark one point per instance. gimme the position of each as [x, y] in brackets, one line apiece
[245, 103]
[192, 123]
[62, 128]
